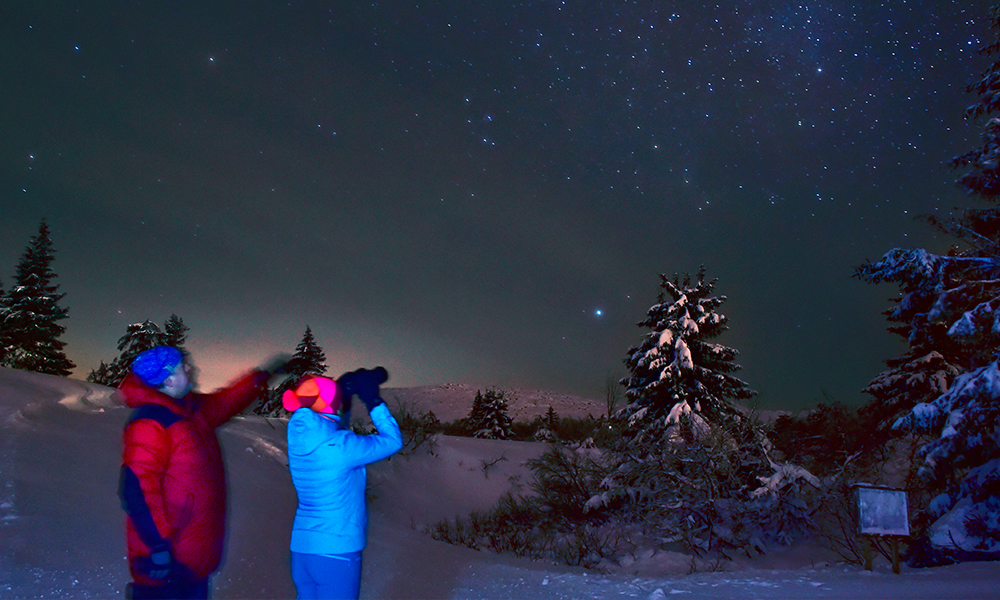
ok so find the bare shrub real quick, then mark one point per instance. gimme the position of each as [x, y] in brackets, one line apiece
[418, 428]
[589, 504]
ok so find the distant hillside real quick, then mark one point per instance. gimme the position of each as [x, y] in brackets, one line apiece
[452, 401]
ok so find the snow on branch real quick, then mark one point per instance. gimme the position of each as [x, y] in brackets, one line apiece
[899, 262]
[909, 265]
[984, 316]
[981, 383]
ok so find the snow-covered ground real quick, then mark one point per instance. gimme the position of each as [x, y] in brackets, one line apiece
[61, 527]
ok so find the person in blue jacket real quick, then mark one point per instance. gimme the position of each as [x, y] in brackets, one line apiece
[327, 462]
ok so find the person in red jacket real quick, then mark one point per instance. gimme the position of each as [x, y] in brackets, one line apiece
[172, 484]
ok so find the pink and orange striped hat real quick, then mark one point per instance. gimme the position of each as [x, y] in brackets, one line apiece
[315, 392]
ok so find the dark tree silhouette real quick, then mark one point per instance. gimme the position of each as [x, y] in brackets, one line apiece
[308, 358]
[488, 417]
[30, 313]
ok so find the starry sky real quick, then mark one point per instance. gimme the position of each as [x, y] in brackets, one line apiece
[483, 192]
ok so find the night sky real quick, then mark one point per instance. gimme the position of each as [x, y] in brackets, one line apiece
[483, 192]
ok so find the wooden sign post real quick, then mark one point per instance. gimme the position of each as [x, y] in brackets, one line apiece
[882, 513]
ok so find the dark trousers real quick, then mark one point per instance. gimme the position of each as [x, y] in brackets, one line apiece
[169, 590]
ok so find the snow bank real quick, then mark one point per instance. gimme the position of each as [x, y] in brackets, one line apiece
[61, 527]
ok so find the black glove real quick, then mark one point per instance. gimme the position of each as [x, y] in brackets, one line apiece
[364, 383]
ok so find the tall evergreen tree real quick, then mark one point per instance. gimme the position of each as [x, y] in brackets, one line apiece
[308, 358]
[690, 462]
[30, 313]
[949, 310]
[488, 417]
[679, 381]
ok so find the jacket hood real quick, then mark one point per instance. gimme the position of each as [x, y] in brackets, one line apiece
[308, 430]
[136, 393]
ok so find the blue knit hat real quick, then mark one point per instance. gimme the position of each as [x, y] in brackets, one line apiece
[156, 364]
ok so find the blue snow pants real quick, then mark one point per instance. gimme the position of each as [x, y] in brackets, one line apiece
[335, 577]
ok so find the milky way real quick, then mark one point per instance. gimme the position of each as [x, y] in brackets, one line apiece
[483, 192]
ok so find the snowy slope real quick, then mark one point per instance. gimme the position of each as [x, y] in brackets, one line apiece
[452, 401]
[61, 528]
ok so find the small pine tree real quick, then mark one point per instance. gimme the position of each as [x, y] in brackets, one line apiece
[488, 417]
[138, 338]
[105, 374]
[551, 419]
[29, 316]
[679, 382]
[175, 332]
[547, 426]
[308, 358]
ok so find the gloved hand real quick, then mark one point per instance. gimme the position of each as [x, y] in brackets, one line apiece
[364, 383]
[279, 364]
[161, 562]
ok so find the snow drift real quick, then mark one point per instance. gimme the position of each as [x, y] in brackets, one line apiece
[61, 527]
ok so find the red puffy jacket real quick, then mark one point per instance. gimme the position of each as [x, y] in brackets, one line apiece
[172, 472]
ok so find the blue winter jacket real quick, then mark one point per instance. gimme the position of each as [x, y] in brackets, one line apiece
[328, 470]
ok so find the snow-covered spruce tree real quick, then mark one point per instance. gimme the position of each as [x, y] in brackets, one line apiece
[488, 417]
[138, 338]
[692, 465]
[950, 304]
[678, 379]
[29, 320]
[308, 358]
